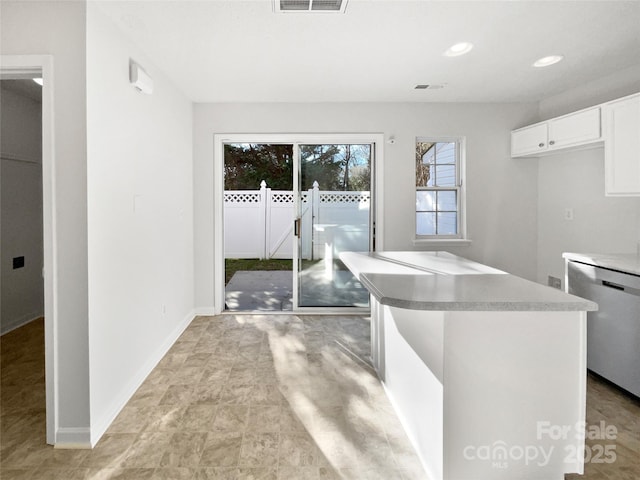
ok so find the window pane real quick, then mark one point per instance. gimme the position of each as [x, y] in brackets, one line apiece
[429, 151]
[425, 152]
[446, 153]
[336, 167]
[447, 200]
[445, 176]
[437, 192]
[447, 223]
[425, 223]
[425, 200]
[431, 180]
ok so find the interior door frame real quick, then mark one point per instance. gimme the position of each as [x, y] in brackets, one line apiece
[28, 66]
[295, 139]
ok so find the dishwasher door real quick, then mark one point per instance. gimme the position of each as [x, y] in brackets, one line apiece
[613, 332]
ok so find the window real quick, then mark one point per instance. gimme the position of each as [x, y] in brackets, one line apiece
[439, 189]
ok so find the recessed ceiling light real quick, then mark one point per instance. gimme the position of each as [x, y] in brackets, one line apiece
[546, 61]
[458, 49]
[38, 81]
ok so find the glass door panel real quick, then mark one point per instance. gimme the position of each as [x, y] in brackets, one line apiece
[334, 211]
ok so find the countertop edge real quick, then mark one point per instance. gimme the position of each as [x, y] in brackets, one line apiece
[628, 263]
[487, 306]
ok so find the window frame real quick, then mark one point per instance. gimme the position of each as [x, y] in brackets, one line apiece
[461, 236]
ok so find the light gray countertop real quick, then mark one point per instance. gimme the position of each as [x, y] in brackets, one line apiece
[404, 280]
[622, 262]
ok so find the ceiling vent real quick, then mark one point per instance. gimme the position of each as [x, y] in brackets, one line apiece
[309, 6]
[432, 86]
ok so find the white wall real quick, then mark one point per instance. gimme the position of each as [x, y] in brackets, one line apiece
[576, 180]
[618, 84]
[502, 199]
[58, 28]
[140, 210]
[21, 209]
[601, 224]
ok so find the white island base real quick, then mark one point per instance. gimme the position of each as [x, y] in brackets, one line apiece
[492, 387]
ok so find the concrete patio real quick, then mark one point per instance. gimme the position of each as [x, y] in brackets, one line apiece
[273, 290]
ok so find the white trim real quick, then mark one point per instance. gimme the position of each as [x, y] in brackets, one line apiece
[73, 438]
[218, 223]
[100, 427]
[442, 242]
[376, 139]
[461, 161]
[297, 214]
[43, 65]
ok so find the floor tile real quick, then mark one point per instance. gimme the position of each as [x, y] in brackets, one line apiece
[147, 450]
[221, 449]
[259, 450]
[252, 396]
[16, 473]
[216, 473]
[110, 451]
[264, 418]
[163, 418]
[185, 450]
[178, 473]
[229, 418]
[298, 450]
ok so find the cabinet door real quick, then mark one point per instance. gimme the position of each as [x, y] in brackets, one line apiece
[575, 129]
[529, 140]
[622, 146]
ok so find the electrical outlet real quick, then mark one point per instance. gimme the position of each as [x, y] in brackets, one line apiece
[554, 282]
[568, 213]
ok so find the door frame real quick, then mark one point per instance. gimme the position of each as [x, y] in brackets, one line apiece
[376, 139]
[28, 66]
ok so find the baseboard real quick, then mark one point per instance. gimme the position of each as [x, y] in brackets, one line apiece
[101, 425]
[20, 322]
[73, 438]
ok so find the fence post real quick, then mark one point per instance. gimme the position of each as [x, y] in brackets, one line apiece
[315, 214]
[265, 205]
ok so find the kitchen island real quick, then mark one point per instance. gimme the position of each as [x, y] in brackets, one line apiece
[486, 371]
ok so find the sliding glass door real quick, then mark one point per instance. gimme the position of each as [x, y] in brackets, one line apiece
[334, 210]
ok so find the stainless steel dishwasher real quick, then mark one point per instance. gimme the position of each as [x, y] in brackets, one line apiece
[613, 332]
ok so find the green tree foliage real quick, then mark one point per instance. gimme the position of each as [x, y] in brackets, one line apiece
[319, 165]
[334, 167]
[246, 165]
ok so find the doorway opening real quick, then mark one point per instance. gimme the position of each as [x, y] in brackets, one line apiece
[334, 215]
[299, 202]
[258, 233]
[28, 225]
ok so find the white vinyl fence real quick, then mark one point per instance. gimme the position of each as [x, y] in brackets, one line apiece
[259, 223]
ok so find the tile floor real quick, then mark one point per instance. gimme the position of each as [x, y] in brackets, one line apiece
[251, 397]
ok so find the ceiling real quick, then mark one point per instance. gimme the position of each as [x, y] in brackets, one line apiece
[379, 50]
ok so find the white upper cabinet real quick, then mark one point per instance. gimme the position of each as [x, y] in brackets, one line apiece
[529, 140]
[621, 122]
[577, 128]
[569, 131]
